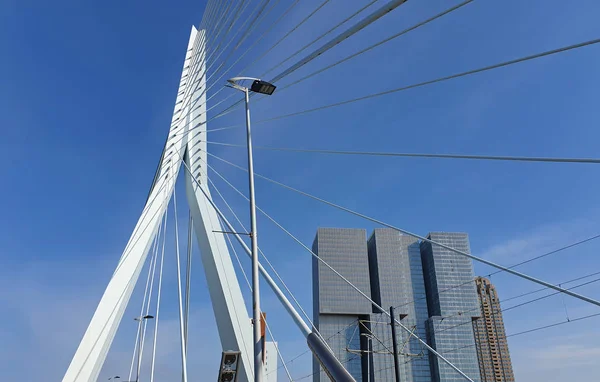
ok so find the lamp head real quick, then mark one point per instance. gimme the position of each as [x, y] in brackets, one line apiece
[262, 87]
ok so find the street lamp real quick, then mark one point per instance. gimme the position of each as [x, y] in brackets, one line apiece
[262, 87]
[140, 334]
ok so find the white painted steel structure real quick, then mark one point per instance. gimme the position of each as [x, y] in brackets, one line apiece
[186, 147]
[233, 323]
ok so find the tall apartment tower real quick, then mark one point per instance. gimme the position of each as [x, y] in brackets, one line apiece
[452, 304]
[490, 336]
[338, 309]
[397, 280]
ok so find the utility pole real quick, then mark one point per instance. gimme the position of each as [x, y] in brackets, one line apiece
[395, 345]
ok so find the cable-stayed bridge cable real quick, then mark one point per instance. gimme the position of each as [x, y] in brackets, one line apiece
[421, 155]
[237, 258]
[244, 54]
[190, 103]
[440, 79]
[320, 37]
[362, 24]
[349, 283]
[429, 82]
[380, 12]
[514, 306]
[287, 289]
[138, 331]
[513, 266]
[317, 9]
[533, 330]
[287, 304]
[158, 298]
[373, 46]
[338, 274]
[377, 221]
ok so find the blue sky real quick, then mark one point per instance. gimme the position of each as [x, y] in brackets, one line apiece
[87, 92]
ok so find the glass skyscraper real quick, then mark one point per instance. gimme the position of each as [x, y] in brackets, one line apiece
[452, 304]
[337, 307]
[397, 280]
[432, 290]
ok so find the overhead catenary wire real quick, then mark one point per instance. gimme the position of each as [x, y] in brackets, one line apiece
[326, 341]
[594, 237]
[538, 328]
[543, 289]
[350, 359]
[286, 304]
[478, 158]
[544, 255]
[406, 232]
[513, 306]
[549, 253]
[349, 283]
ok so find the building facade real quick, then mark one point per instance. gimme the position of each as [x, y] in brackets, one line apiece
[490, 336]
[338, 309]
[397, 280]
[452, 304]
[434, 295]
[271, 361]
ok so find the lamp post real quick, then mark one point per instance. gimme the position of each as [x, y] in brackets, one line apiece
[140, 334]
[262, 87]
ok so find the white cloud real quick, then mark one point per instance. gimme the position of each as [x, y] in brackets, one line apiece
[540, 240]
[575, 355]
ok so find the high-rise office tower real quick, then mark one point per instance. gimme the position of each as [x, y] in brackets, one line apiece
[397, 280]
[337, 307]
[452, 304]
[490, 337]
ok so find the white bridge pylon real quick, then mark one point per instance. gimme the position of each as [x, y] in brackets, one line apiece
[232, 318]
